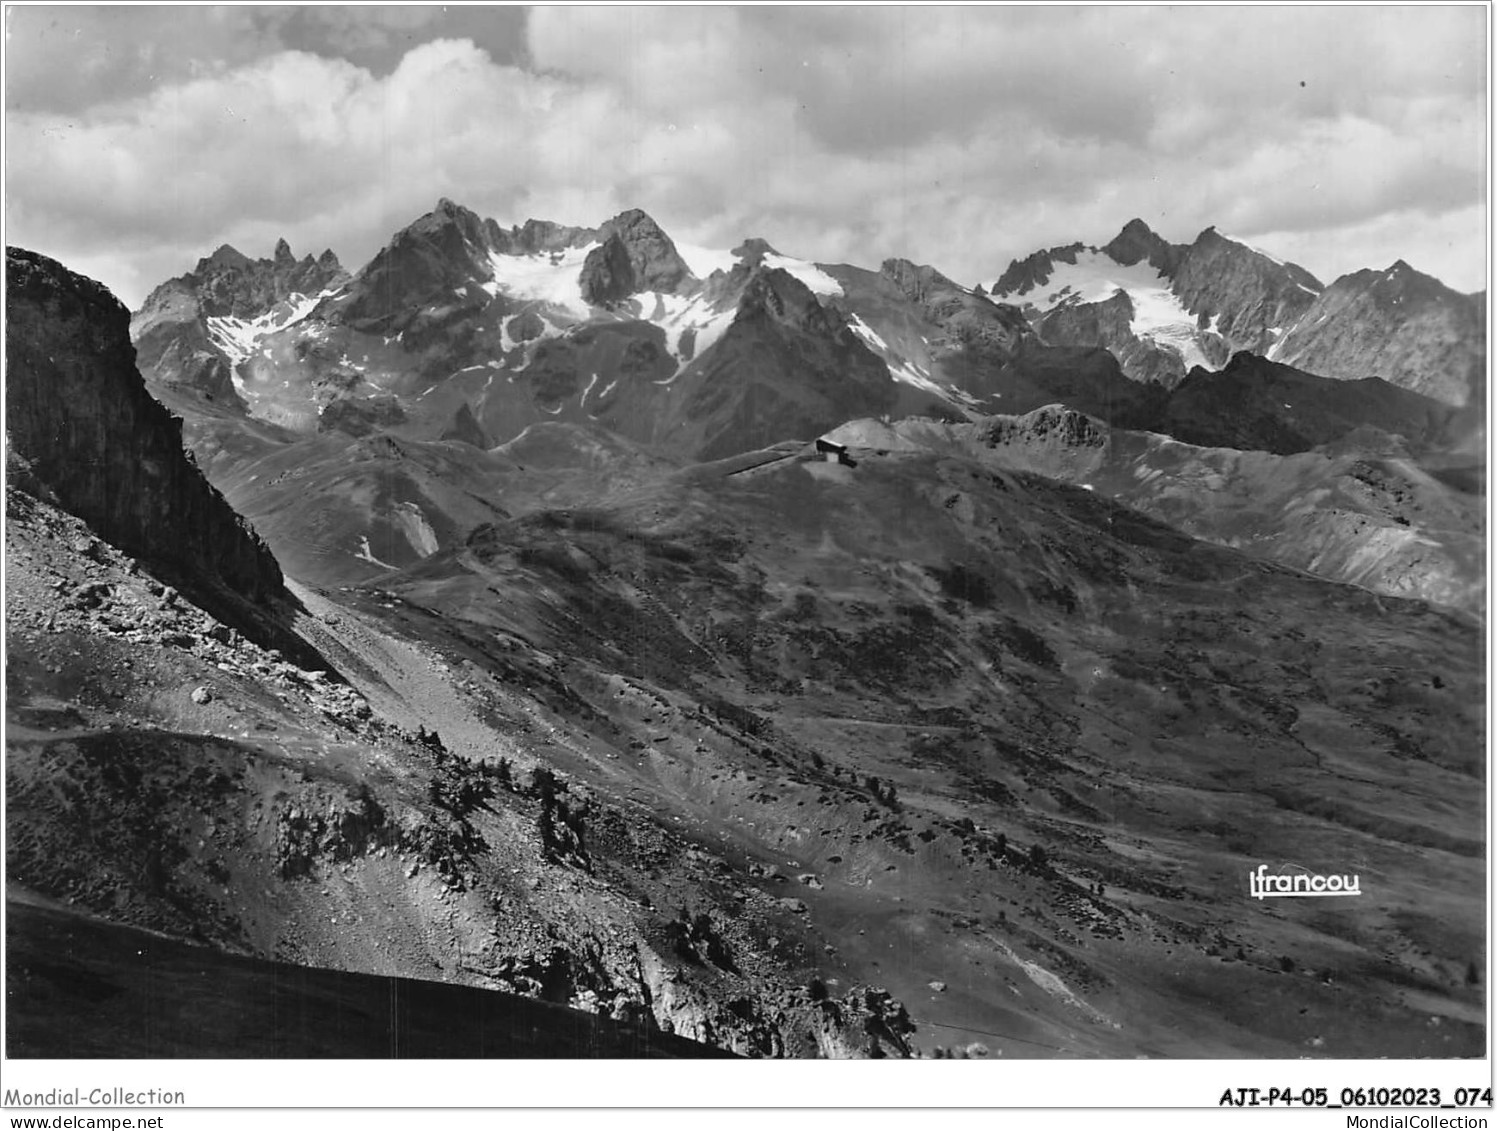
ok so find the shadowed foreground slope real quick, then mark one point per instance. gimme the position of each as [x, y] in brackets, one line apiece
[80, 988]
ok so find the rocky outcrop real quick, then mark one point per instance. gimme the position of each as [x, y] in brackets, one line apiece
[1400, 325]
[1024, 275]
[607, 275]
[635, 256]
[1250, 298]
[969, 321]
[83, 431]
[751, 252]
[537, 237]
[1054, 424]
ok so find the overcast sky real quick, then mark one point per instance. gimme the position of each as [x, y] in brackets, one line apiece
[139, 139]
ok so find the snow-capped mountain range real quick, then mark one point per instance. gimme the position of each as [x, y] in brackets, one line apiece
[1164, 309]
[460, 319]
[546, 345]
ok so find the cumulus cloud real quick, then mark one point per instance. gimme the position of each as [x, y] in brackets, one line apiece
[961, 137]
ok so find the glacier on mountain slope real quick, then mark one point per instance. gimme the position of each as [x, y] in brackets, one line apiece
[705, 260]
[555, 279]
[1158, 314]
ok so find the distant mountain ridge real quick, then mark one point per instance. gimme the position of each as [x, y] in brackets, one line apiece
[1163, 308]
[195, 329]
[464, 333]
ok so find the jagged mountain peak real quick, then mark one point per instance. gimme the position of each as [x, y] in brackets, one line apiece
[225, 257]
[229, 284]
[1137, 228]
[635, 255]
[1024, 275]
[632, 220]
[447, 214]
[446, 206]
[1138, 242]
[1402, 277]
[1212, 240]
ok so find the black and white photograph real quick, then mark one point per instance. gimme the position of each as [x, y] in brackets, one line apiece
[633, 533]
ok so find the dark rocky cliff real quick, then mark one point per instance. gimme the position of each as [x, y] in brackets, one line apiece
[83, 431]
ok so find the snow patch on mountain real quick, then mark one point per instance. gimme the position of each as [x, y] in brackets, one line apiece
[554, 279]
[1096, 277]
[705, 260]
[239, 338]
[911, 374]
[867, 333]
[676, 315]
[819, 282]
[711, 330]
[901, 370]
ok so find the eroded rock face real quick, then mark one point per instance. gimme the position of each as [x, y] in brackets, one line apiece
[88, 433]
